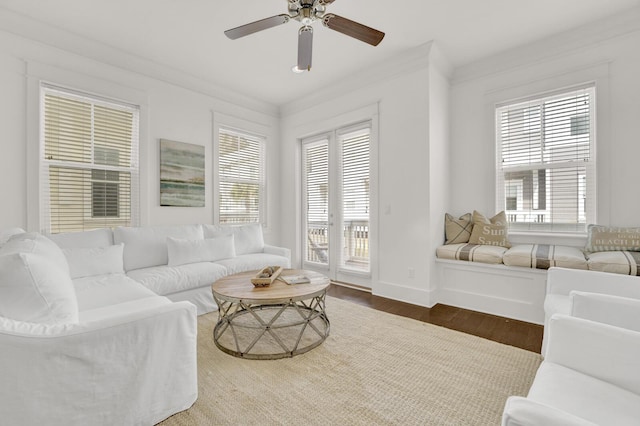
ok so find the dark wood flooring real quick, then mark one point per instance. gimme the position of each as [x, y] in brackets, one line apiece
[499, 329]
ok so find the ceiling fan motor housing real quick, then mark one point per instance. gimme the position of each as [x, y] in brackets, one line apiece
[307, 11]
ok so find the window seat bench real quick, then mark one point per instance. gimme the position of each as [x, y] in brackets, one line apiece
[512, 282]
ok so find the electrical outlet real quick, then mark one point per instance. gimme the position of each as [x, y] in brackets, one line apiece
[412, 273]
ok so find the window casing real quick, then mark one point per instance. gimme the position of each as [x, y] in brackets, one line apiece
[545, 175]
[88, 161]
[241, 177]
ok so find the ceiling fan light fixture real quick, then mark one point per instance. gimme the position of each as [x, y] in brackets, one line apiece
[297, 70]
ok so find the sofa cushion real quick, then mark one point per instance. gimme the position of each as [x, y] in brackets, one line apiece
[471, 252]
[182, 252]
[587, 397]
[85, 239]
[247, 238]
[605, 238]
[253, 261]
[165, 280]
[544, 256]
[145, 247]
[618, 262]
[35, 285]
[106, 290]
[457, 230]
[87, 262]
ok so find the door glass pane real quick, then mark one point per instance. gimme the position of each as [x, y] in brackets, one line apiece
[315, 159]
[355, 200]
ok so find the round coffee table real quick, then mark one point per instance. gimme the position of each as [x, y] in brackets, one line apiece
[278, 321]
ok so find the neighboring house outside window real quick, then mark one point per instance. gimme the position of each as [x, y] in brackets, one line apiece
[89, 161]
[241, 177]
[545, 177]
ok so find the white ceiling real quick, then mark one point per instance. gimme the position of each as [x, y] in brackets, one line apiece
[187, 35]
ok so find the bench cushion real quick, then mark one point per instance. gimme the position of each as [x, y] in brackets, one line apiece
[472, 252]
[545, 256]
[618, 262]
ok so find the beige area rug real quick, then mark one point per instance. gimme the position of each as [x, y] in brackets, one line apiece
[374, 369]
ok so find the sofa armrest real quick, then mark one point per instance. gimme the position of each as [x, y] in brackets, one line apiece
[563, 281]
[280, 251]
[602, 351]
[520, 411]
[136, 368]
[613, 310]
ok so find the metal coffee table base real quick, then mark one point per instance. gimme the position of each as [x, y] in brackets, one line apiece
[271, 331]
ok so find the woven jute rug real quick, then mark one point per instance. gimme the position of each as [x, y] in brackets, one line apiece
[373, 369]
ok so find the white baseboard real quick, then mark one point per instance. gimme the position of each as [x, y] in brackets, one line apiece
[415, 296]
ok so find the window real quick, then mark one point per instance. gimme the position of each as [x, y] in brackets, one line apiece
[241, 186]
[89, 161]
[546, 166]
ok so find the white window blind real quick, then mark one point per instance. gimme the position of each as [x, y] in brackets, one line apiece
[89, 162]
[315, 175]
[355, 198]
[241, 182]
[545, 176]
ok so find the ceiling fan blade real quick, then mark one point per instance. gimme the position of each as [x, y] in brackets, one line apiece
[305, 47]
[325, 2]
[256, 26]
[353, 29]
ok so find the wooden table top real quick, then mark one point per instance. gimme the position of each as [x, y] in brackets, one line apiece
[237, 287]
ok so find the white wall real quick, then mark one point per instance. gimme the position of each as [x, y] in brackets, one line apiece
[168, 111]
[405, 179]
[606, 53]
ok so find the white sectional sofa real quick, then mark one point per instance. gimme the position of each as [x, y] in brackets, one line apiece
[100, 328]
[181, 262]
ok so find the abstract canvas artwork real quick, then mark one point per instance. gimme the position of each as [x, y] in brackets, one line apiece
[181, 174]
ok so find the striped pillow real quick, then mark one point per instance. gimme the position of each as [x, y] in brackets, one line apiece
[603, 238]
[617, 262]
[545, 256]
[471, 252]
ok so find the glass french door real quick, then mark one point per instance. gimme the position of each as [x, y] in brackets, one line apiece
[336, 204]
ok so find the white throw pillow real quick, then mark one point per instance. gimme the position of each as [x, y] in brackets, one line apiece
[183, 251]
[35, 285]
[88, 262]
[247, 238]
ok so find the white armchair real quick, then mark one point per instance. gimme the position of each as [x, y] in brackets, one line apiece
[562, 281]
[591, 372]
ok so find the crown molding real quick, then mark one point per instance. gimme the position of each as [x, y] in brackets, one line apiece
[410, 60]
[551, 47]
[36, 31]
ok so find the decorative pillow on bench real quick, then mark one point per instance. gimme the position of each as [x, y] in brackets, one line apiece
[610, 238]
[457, 230]
[544, 256]
[490, 231]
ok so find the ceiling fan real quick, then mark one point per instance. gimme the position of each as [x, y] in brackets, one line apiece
[306, 12]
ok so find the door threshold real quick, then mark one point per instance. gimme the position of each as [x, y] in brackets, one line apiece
[352, 286]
